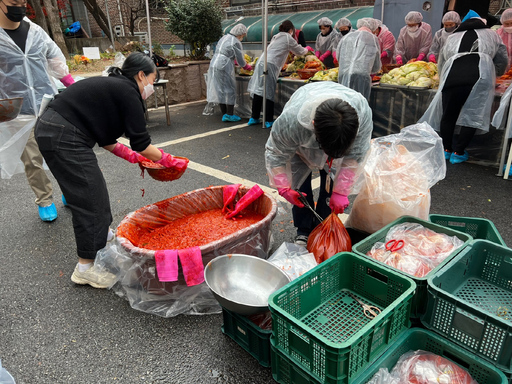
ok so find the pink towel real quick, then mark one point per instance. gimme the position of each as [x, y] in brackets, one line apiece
[192, 264]
[167, 265]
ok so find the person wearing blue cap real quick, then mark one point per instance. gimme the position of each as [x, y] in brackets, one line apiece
[469, 62]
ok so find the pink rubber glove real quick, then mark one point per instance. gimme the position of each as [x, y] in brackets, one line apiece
[399, 60]
[310, 49]
[291, 195]
[432, 58]
[338, 203]
[325, 56]
[384, 54]
[67, 80]
[334, 56]
[317, 54]
[236, 62]
[126, 153]
[421, 56]
[336, 62]
[248, 67]
[252, 194]
[170, 161]
[228, 194]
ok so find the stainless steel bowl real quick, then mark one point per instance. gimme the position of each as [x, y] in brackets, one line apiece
[243, 283]
[10, 108]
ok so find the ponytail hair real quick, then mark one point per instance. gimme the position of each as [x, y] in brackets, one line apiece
[133, 64]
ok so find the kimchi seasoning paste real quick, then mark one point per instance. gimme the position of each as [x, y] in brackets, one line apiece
[196, 230]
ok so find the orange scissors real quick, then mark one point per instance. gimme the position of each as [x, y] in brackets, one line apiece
[370, 311]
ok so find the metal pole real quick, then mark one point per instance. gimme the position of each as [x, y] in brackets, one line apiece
[110, 27]
[149, 30]
[265, 70]
[505, 140]
[382, 12]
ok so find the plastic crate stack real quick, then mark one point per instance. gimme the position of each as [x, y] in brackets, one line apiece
[320, 333]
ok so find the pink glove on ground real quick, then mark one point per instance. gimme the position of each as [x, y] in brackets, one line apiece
[169, 161]
[432, 58]
[67, 80]
[325, 56]
[384, 54]
[399, 60]
[338, 203]
[248, 67]
[291, 195]
[310, 49]
[421, 56]
[317, 54]
[126, 153]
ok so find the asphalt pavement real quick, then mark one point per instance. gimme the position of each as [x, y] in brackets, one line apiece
[53, 331]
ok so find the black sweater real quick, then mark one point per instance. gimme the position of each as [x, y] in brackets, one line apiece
[105, 108]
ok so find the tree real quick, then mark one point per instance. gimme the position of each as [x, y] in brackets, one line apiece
[99, 16]
[38, 16]
[54, 25]
[197, 22]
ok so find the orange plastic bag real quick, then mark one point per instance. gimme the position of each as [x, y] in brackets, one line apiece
[329, 238]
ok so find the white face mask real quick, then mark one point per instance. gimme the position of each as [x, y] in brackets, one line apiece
[148, 89]
[507, 29]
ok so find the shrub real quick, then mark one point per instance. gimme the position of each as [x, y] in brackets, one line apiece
[197, 22]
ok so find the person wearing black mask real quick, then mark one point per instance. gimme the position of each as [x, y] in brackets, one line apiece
[28, 61]
[451, 20]
[343, 26]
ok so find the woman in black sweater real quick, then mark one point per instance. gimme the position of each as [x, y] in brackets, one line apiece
[97, 110]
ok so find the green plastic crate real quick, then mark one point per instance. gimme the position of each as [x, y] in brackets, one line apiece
[470, 302]
[420, 297]
[317, 325]
[285, 371]
[476, 227]
[248, 335]
[417, 338]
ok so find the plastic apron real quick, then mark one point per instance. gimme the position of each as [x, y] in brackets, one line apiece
[27, 75]
[409, 47]
[477, 109]
[386, 43]
[277, 52]
[292, 147]
[359, 56]
[498, 120]
[438, 42]
[221, 86]
[507, 40]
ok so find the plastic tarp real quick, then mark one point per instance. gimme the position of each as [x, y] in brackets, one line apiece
[306, 21]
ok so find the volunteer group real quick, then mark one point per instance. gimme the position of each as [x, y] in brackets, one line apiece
[324, 126]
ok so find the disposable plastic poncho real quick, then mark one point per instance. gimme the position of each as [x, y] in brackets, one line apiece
[477, 109]
[292, 147]
[28, 75]
[221, 87]
[277, 52]
[336, 41]
[386, 43]
[324, 43]
[507, 40]
[499, 118]
[410, 45]
[438, 42]
[359, 56]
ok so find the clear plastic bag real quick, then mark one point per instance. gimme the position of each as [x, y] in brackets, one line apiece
[422, 367]
[293, 259]
[14, 135]
[398, 173]
[422, 251]
[118, 62]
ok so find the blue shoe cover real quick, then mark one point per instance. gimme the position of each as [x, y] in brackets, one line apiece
[253, 121]
[235, 118]
[64, 201]
[456, 159]
[225, 117]
[48, 213]
[447, 155]
[268, 124]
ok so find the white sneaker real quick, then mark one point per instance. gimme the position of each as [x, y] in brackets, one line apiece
[301, 240]
[94, 277]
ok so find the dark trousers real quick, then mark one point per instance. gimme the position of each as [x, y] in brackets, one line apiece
[227, 109]
[453, 101]
[71, 159]
[257, 104]
[303, 218]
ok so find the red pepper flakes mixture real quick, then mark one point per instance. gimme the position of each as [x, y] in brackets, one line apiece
[196, 230]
